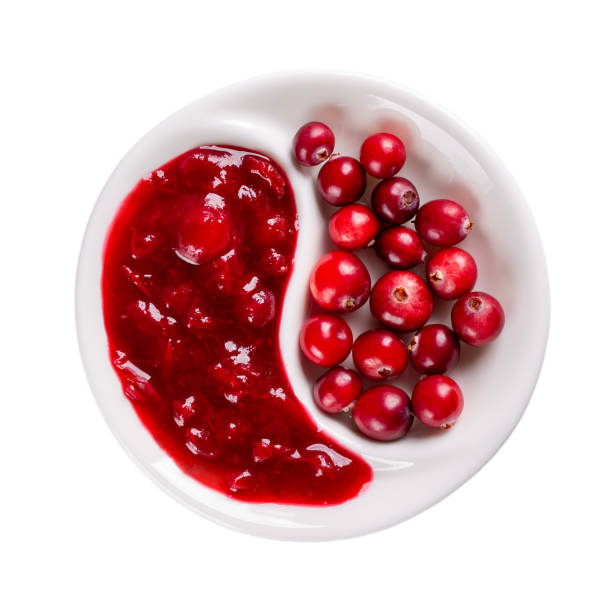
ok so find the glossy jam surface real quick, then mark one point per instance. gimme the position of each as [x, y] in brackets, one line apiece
[195, 270]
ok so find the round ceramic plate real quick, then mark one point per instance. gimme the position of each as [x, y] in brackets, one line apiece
[445, 159]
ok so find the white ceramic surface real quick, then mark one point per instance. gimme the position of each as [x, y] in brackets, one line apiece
[445, 159]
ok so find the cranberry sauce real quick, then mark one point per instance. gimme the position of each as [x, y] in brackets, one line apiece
[195, 271]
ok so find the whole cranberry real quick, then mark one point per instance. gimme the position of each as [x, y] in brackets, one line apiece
[443, 222]
[434, 349]
[451, 272]
[342, 180]
[222, 275]
[269, 231]
[437, 401]
[255, 309]
[477, 318]
[395, 200]
[400, 247]
[379, 354]
[353, 227]
[340, 282]
[382, 154]
[337, 390]
[204, 234]
[313, 143]
[274, 264]
[326, 339]
[266, 173]
[401, 300]
[197, 168]
[383, 413]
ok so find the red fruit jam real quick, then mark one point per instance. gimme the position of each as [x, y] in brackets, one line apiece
[192, 313]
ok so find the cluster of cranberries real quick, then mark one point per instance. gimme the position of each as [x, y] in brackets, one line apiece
[400, 300]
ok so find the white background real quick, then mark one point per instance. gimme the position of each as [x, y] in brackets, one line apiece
[81, 528]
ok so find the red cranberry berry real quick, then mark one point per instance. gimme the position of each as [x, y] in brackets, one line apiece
[437, 401]
[205, 234]
[451, 272]
[342, 180]
[382, 154]
[395, 200]
[337, 390]
[383, 413]
[434, 349]
[477, 318]
[401, 300]
[266, 172]
[269, 231]
[400, 247]
[379, 354]
[313, 143]
[255, 309]
[353, 227]
[222, 275]
[443, 222]
[326, 339]
[340, 282]
[195, 169]
[274, 264]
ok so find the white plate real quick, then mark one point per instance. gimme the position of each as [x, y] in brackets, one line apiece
[445, 159]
